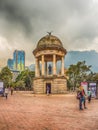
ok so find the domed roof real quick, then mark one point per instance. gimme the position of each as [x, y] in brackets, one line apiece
[49, 40]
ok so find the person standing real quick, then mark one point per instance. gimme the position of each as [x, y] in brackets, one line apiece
[82, 100]
[6, 92]
[47, 90]
[89, 95]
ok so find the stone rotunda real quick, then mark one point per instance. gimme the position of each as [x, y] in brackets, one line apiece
[48, 52]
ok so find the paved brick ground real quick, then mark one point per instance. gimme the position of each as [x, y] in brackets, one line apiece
[55, 112]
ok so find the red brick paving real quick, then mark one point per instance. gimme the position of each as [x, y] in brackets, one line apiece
[55, 112]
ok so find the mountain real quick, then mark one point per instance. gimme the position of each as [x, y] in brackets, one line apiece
[72, 57]
[32, 67]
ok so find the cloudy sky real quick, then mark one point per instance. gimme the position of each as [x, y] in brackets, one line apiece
[24, 22]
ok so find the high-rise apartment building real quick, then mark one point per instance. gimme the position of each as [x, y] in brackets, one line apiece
[19, 60]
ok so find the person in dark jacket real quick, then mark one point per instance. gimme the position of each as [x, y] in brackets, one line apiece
[89, 94]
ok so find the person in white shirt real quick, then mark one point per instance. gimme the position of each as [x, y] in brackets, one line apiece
[6, 92]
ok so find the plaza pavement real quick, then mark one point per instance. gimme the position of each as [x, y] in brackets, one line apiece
[24, 111]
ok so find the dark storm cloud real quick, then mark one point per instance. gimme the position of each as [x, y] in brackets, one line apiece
[33, 15]
[24, 22]
[11, 11]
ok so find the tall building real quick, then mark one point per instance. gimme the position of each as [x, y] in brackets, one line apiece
[10, 64]
[19, 60]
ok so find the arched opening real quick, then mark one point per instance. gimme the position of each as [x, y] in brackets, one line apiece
[48, 88]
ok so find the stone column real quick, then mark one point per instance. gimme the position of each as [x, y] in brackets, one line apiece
[62, 66]
[46, 68]
[36, 67]
[39, 74]
[43, 67]
[54, 64]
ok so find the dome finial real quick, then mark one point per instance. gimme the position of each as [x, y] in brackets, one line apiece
[49, 33]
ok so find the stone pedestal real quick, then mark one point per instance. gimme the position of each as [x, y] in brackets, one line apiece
[58, 85]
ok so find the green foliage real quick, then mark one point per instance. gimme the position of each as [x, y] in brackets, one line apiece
[24, 79]
[27, 77]
[96, 77]
[6, 76]
[13, 84]
[77, 73]
[92, 77]
[20, 85]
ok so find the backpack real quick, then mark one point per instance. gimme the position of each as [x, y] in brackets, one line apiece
[78, 95]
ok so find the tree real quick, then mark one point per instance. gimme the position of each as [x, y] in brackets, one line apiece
[92, 76]
[77, 73]
[6, 76]
[20, 85]
[27, 77]
[95, 77]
